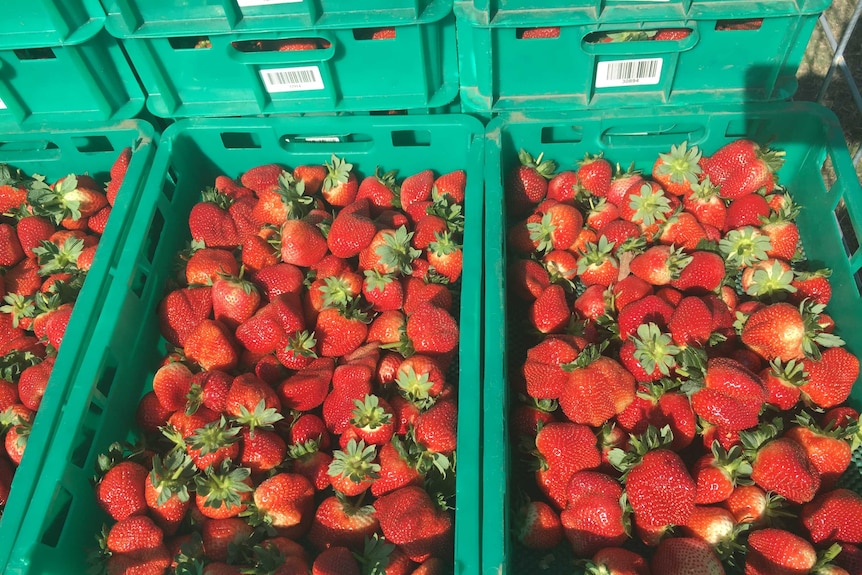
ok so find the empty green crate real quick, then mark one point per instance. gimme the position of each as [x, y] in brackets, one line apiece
[165, 17]
[417, 68]
[552, 12]
[55, 154]
[46, 87]
[35, 23]
[126, 348]
[830, 225]
[502, 71]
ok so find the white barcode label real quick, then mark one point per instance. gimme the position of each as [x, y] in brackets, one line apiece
[324, 139]
[644, 72]
[2, 105]
[247, 3]
[292, 79]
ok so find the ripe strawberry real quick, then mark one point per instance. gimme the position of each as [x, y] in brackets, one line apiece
[335, 561]
[562, 449]
[830, 378]
[340, 332]
[12, 193]
[750, 504]
[181, 311]
[691, 322]
[594, 175]
[686, 556]
[716, 474]
[833, 517]
[527, 184]
[436, 428]
[446, 257]
[450, 187]
[432, 330]
[172, 383]
[223, 491]
[714, 525]
[261, 450]
[593, 522]
[302, 243]
[211, 346]
[550, 312]
[340, 184]
[379, 189]
[312, 177]
[742, 167]
[135, 533]
[781, 465]
[827, 448]
[563, 187]
[622, 184]
[706, 204]
[262, 178]
[353, 470]
[749, 210]
[660, 265]
[813, 286]
[23, 279]
[306, 389]
[416, 188]
[651, 309]
[778, 552]
[677, 170]
[340, 522]
[285, 499]
[206, 264]
[218, 535]
[621, 232]
[120, 492]
[32, 231]
[166, 490]
[410, 519]
[732, 396]
[10, 248]
[597, 266]
[617, 561]
[352, 230]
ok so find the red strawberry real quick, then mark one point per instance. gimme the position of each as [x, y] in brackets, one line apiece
[706, 204]
[537, 525]
[778, 552]
[686, 556]
[716, 474]
[33, 381]
[651, 309]
[833, 517]
[353, 470]
[563, 187]
[340, 184]
[120, 492]
[340, 332]
[181, 311]
[827, 448]
[312, 177]
[618, 561]
[543, 32]
[830, 378]
[660, 265]
[527, 184]
[338, 522]
[172, 383]
[379, 190]
[335, 561]
[452, 185]
[594, 175]
[285, 499]
[211, 346]
[550, 313]
[410, 519]
[562, 450]
[262, 178]
[10, 248]
[436, 428]
[32, 231]
[352, 230]
[749, 210]
[166, 491]
[593, 522]
[432, 330]
[446, 257]
[781, 465]
[742, 167]
[135, 533]
[597, 266]
[677, 170]
[206, 264]
[302, 243]
[219, 534]
[416, 188]
[813, 286]
[306, 389]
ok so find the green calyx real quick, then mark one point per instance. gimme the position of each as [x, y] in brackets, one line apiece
[544, 168]
[15, 362]
[374, 558]
[19, 307]
[815, 337]
[650, 205]
[338, 173]
[213, 196]
[793, 372]
[595, 254]
[396, 253]
[752, 440]
[302, 343]
[55, 259]
[213, 436]
[171, 476]
[56, 204]
[704, 191]
[337, 292]
[542, 234]
[587, 356]
[744, 247]
[223, 485]
[770, 281]
[681, 164]
[639, 445]
[654, 349]
[376, 281]
[262, 417]
[292, 192]
[355, 463]
[415, 388]
[443, 245]
[369, 414]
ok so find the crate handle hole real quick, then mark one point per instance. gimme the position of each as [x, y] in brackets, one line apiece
[662, 135]
[240, 140]
[562, 134]
[411, 138]
[387, 33]
[739, 24]
[35, 54]
[849, 234]
[191, 43]
[541, 33]
[284, 45]
[623, 36]
[92, 144]
[59, 513]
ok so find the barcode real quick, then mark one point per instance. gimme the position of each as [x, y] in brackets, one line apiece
[628, 73]
[246, 3]
[292, 79]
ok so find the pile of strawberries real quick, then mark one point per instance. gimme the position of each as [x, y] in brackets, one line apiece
[48, 237]
[305, 416]
[685, 390]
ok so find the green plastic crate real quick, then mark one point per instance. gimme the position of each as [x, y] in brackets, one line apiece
[552, 12]
[47, 87]
[503, 72]
[35, 23]
[126, 348]
[830, 226]
[166, 18]
[55, 154]
[416, 69]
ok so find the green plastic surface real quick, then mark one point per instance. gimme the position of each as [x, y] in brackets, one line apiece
[555, 12]
[67, 86]
[55, 154]
[502, 72]
[37, 23]
[416, 69]
[151, 18]
[830, 226]
[126, 347]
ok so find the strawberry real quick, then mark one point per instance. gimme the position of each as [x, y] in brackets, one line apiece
[781, 465]
[827, 448]
[830, 378]
[432, 330]
[261, 450]
[651, 309]
[302, 243]
[416, 188]
[550, 312]
[621, 232]
[706, 205]
[307, 388]
[352, 230]
[732, 395]
[622, 183]
[593, 522]
[778, 552]
[750, 504]
[742, 167]
[335, 561]
[373, 420]
[172, 383]
[594, 175]
[353, 470]
[340, 184]
[597, 266]
[284, 499]
[562, 449]
[32, 231]
[660, 265]
[206, 264]
[691, 322]
[714, 525]
[617, 561]
[340, 332]
[10, 248]
[13, 194]
[218, 535]
[262, 178]
[135, 533]
[120, 492]
[211, 443]
[181, 311]
[563, 187]
[832, 517]
[542, 32]
[677, 170]
[436, 428]
[166, 490]
[813, 286]
[717, 473]
[211, 346]
[750, 210]
[410, 519]
[340, 522]
[537, 525]
[222, 491]
[312, 177]
[685, 556]
[527, 184]
[446, 257]
[390, 252]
